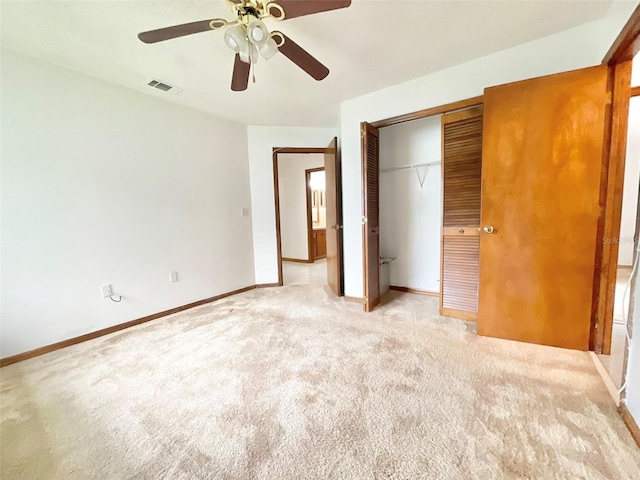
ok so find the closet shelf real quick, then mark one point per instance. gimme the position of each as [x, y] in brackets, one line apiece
[409, 167]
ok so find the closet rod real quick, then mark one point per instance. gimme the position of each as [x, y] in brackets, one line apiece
[409, 167]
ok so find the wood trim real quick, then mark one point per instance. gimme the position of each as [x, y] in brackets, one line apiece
[354, 299]
[629, 421]
[298, 150]
[447, 312]
[472, 112]
[428, 112]
[115, 328]
[311, 254]
[296, 260]
[414, 290]
[267, 285]
[635, 91]
[276, 195]
[627, 43]
[614, 156]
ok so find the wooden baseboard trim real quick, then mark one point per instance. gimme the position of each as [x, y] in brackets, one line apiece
[629, 421]
[414, 290]
[625, 267]
[105, 331]
[268, 285]
[354, 299]
[296, 260]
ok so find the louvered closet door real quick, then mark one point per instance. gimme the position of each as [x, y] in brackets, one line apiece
[461, 182]
[371, 215]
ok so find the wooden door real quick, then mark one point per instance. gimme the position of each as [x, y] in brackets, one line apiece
[371, 214]
[541, 167]
[333, 199]
[460, 246]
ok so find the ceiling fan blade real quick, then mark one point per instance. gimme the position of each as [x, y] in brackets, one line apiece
[302, 58]
[167, 33]
[299, 8]
[240, 78]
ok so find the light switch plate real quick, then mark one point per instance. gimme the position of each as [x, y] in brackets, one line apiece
[173, 277]
[244, 212]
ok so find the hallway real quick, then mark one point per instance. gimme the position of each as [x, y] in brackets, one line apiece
[305, 273]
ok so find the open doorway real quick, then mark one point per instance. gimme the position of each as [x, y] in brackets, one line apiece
[308, 211]
[628, 234]
[303, 239]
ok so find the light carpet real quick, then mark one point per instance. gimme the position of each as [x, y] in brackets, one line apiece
[291, 383]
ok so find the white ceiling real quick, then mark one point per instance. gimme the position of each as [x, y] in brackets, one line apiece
[368, 46]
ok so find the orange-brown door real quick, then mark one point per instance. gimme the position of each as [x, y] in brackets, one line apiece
[461, 179]
[542, 158]
[333, 197]
[371, 214]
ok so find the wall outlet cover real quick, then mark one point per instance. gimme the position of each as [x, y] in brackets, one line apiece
[173, 277]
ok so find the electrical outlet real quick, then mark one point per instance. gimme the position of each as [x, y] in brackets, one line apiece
[244, 212]
[173, 277]
[105, 290]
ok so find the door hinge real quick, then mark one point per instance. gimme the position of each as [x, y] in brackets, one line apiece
[363, 133]
[364, 220]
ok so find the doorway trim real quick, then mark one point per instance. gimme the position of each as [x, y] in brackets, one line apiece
[276, 195]
[408, 117]
[429, 112]
[619, 59]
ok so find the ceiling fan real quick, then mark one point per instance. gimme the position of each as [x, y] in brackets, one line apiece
[249, 37]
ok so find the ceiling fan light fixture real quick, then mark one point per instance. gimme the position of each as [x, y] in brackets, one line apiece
[269, 49]
[236, 39]
[257, 32]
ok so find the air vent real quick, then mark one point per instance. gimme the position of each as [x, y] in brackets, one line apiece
[165, 87]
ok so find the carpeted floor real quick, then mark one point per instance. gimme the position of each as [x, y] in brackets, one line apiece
[291, 383]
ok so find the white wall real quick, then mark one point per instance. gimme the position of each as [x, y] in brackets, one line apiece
[410, 215]
[101, 184]
[293, 202]
[575, 48]
[631, 182]
[261, 141]
[633, 363]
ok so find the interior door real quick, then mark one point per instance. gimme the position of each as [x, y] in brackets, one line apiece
[333, 196]
[461, 179]
[371, 214]
[542, 159]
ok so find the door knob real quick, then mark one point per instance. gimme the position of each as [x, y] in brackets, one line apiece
[488, 229]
